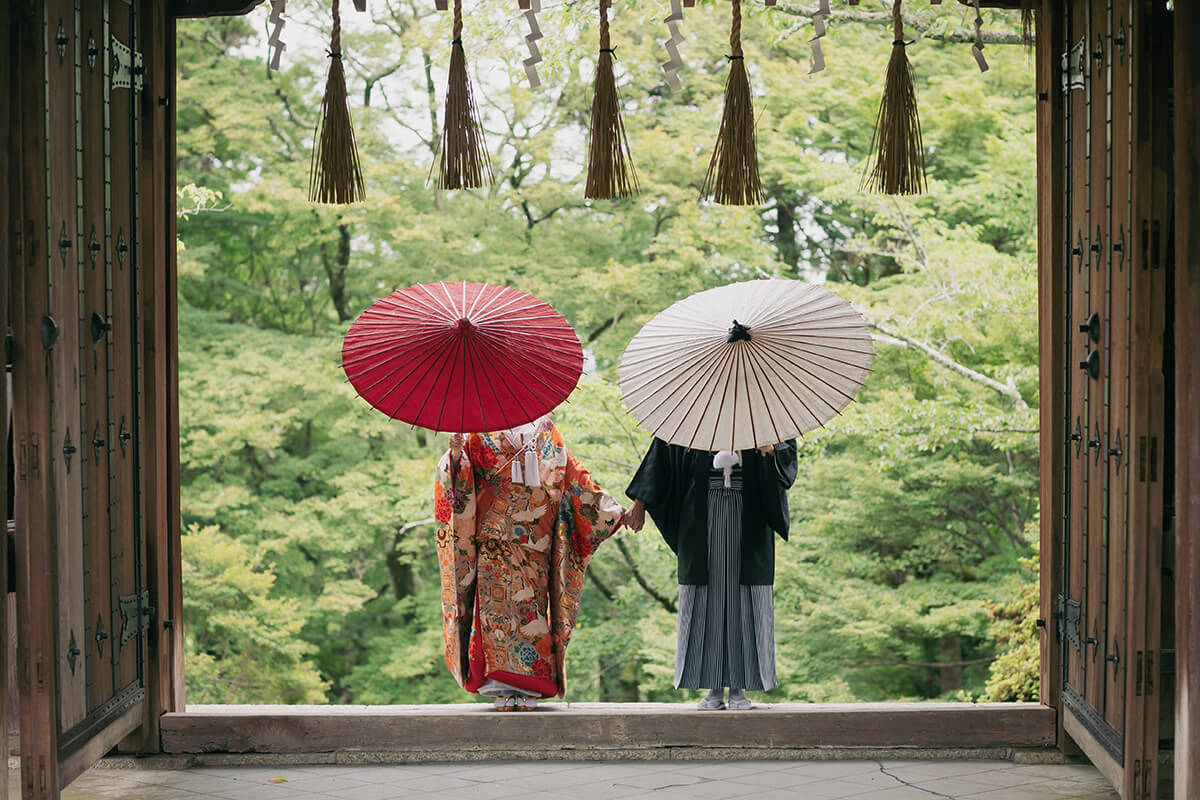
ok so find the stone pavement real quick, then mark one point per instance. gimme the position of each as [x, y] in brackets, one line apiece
[889, 779]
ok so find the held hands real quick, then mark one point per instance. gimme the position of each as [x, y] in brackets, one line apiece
[767, 450]
[635, 516]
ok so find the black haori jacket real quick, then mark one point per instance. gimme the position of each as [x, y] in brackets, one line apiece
[672, 481]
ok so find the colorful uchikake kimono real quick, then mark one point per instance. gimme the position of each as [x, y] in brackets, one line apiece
[520, 521]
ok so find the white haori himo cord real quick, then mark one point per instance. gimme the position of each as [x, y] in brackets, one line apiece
[726, 460]
[817, 60]
[275, 44]
[671, 65]
[535, 55]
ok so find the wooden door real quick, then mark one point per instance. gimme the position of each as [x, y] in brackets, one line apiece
[77, 355]
[1112, 70]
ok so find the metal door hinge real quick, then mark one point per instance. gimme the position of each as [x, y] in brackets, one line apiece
[1068, 620]
[136, 613]
[1073, 65]
[128, 69]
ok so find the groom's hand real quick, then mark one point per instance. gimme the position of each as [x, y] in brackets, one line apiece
[635, 517]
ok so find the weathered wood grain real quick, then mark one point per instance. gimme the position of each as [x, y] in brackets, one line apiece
[1187, 401]
[290, 729]
[31, 418]
[1051, 314]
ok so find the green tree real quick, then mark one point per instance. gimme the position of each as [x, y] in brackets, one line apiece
[910, 517]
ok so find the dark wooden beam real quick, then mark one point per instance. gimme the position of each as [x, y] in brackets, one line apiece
[1187, 399]
[557, 729]
[1007, 5]
[8, 159]
[192, 9]
[1051, 399]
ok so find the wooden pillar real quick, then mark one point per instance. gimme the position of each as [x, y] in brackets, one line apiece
[1187, 401]
[1050, 336]
[164, 673]
[31, 411]
[6, 238]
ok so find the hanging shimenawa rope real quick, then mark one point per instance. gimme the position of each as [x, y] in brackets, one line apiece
[899, 155]
[335, 175]
[1027, 24]
[611, 173]
[732, 176]
[465, 163]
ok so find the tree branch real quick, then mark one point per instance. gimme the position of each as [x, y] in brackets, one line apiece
[604, 590]
[912, 23]
[900, 340]
[662, 600]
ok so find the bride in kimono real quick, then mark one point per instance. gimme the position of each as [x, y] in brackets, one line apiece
[520, 519]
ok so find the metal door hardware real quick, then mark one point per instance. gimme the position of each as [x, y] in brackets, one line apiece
[128, 69]
[1091, 364]
[1092, 327]
[1073, 64]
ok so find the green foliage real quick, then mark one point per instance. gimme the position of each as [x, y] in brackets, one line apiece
[310, 552]
[244, 642]
[1014, 675]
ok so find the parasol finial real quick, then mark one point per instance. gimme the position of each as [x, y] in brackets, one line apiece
[738, 333]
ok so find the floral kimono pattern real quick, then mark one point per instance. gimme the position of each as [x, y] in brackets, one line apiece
[512, 559]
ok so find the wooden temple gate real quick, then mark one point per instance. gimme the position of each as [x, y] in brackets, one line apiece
[1105, 73]
[87, 224]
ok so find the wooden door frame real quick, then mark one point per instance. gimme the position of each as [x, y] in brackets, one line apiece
[165, 681]
[1051, 316]
[7, 143]
[160, 369]
[1187, 400]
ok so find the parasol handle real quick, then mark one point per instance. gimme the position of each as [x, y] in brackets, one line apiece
[463, 325]
[738, 333]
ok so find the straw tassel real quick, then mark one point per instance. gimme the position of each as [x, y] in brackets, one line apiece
[899, 155]
[610, 172]
[1027, 23]
[465, 163]
[335, 175]
[732, 176]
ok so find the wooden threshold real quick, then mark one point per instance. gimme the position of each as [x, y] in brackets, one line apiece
[474, 729]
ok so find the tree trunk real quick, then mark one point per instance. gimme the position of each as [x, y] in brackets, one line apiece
[335, 271]
[950, 652]
[785, 236]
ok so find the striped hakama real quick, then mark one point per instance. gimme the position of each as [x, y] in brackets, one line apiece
[726, 630]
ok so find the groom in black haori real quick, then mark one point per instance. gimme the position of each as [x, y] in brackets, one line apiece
[719, 513]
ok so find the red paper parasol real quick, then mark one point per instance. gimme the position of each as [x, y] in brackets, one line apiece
[462, 357]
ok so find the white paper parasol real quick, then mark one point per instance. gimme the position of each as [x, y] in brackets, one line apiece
[746, 365]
